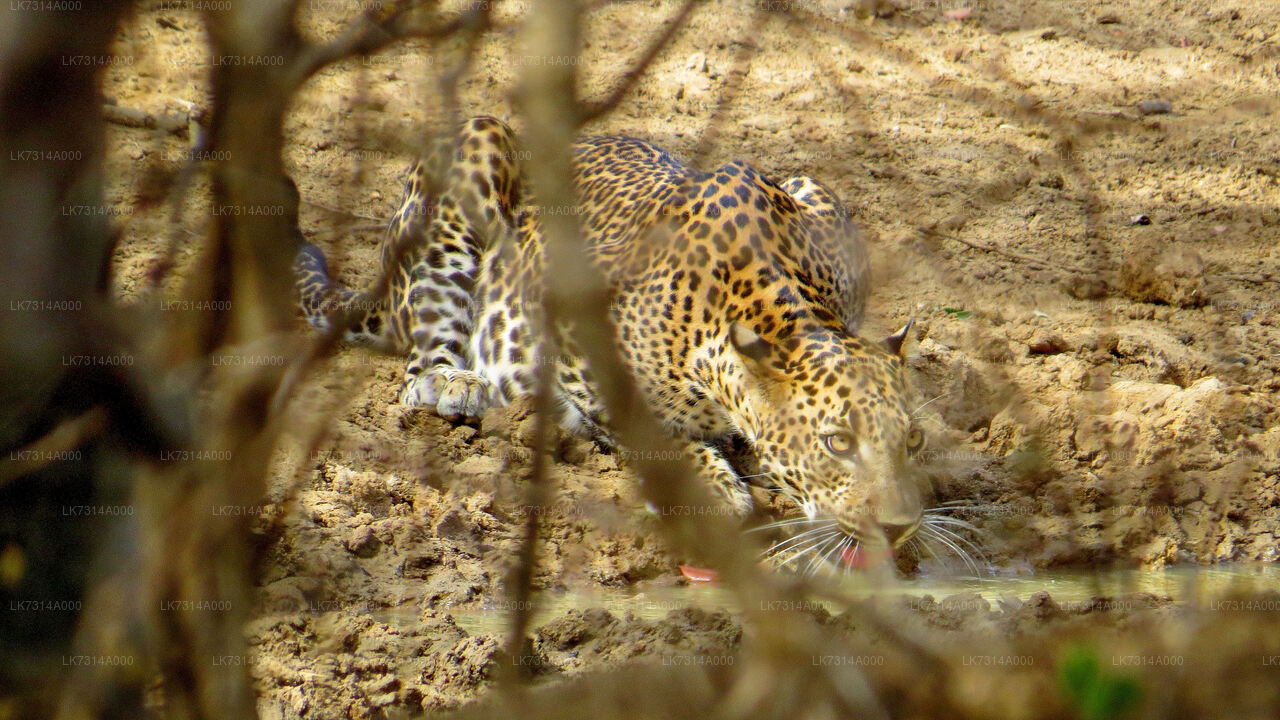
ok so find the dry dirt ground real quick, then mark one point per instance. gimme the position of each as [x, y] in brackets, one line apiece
[1095, 289]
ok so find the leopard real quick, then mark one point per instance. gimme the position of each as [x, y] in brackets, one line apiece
[735, 301]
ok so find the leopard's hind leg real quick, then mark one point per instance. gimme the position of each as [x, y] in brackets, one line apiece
[836, 236]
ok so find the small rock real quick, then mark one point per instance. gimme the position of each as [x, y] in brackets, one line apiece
[577, 452]
[1044, 342]
[864, 9]
[1155, 107]
[1139, 220]
[1052, 181]
[361, 542]
[697, 61]
[1042, 606]
[478, 465]
[526, 433]
[479, 502]
[497, 422]
[1049, 35]
[453, 526]
[1086, 288]
[1163, 274]
[1108, 19]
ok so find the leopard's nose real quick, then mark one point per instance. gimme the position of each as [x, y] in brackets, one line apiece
[898, 534]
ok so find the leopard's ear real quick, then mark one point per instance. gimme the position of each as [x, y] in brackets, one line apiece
[895, 342]
[749, 344]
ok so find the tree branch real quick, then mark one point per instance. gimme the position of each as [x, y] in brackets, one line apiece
[632, 76]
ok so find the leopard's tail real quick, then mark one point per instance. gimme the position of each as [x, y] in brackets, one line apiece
[323, 303]
[326, 304]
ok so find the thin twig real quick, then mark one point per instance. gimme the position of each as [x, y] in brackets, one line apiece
[633, 75]
[336, 211]
[67, 436]
[1257, 279]
[370, 35]
[372, 227]
[738, 73]
[1034, 261]
[131, 117]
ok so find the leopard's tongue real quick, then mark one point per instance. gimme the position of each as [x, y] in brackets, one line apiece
[861, 557]
[697, 574]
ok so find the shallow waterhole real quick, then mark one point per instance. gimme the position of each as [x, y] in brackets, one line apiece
[1187, 585]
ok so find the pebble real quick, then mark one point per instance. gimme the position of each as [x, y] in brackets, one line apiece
[1155, 107]
[1046, 343]
[1086, 288]
[1161, 272]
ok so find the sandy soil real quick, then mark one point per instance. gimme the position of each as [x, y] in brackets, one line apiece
[1100, 371]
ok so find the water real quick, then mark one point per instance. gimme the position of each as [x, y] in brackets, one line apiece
[1188, 584]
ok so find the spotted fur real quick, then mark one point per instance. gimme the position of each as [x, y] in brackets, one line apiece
[736, 303]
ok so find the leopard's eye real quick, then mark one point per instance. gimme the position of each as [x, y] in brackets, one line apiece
[840, 444]
[915, 439]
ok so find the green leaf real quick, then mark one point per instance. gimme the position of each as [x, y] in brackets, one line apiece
[1095, 694]
[1078, 672]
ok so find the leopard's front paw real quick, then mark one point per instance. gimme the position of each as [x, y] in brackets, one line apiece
[454, 393]
[736, 495]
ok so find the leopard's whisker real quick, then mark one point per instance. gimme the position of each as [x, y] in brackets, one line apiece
[946, 510]
[783, 523]
[916, 413]
[815, 562]
[951, 521]
[800, 552]
[955, 549]
[836, 549]
[839, 552]
[808, 546]
[857, 545]
[921, 542]
[933, 420]
[951, 545]
[795, 540]
[961, 539]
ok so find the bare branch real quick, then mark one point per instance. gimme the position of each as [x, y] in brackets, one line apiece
[130, 117]
[371, 34]
[741, 61]
[67, 436]
[633, 75]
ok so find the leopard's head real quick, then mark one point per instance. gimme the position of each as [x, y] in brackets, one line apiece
[834, 432]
